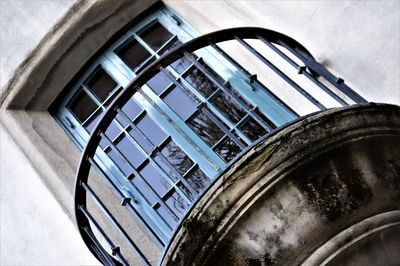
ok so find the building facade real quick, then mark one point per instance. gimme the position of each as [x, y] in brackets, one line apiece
[40, 68]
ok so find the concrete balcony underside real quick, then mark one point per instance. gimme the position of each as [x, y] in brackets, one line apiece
[323, 190]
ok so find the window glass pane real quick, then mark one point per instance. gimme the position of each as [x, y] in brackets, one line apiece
[120, 162]
[155, 180]
[151, 130]
[191, 196]
[130, 111]
[155, 36]
[177, 204]
[228, 150]
[82, 106]
[181, 103]
[177, 157]
[181, 64]
[168, 169]
[133, 53]
[206, 128]
[198, 180]
[89, 126]
[150, 196]
[229, 108]
[253, 130]
[168, 216]
[201, 83]
[146, 145]
[131, 153]
[101, 84]
[113, 131]
[159, 82]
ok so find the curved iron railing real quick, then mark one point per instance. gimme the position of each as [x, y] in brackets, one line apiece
[90, 230]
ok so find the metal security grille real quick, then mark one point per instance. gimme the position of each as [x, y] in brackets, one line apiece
[160, 117]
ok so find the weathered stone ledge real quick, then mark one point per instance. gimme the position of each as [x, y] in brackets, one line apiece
[301, 187]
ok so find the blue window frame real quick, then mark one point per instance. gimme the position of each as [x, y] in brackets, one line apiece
[176, 134]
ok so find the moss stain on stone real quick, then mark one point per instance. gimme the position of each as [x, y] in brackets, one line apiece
[336, 189]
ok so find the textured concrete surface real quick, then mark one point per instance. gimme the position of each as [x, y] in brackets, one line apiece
[23, 24]
[34, 230]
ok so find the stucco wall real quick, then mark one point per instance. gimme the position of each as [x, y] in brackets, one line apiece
[360, 41]
[34, 229]
[23, 24]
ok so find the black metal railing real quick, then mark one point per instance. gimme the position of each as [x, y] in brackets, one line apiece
[282, 46]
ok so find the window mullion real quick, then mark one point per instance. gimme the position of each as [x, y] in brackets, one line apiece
[152, 161]
[182, 134]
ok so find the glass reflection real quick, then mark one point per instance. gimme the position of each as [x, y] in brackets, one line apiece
[201, 83]
[176, 157]
[131, 153]
[132, 53]
[179, 101]
[155, 180]
[206, 128]
[230, 110]
[82, 106]
[159, 82]
[252, 129]
[168, 217]
[177, 204]
[155, 36]
[228, 150]
[198, 180]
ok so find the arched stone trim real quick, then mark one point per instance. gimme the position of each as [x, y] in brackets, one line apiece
[351, 236]
[64, 50]
[84, 29]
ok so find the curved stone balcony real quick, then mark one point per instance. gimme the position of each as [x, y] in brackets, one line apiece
[278, 185]
[322, 191]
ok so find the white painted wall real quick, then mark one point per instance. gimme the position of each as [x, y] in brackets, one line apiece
[34, 230]
[359, 40]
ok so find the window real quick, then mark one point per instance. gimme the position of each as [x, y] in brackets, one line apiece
[178, 132]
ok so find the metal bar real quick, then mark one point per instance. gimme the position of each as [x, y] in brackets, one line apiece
[104, 235]
[137, 130]
[103, 256]
[227, 91]
[182, 134]
[223, 128]
[165, 60]
[121, 196]
[115, 223]
[281, 74]
[200, 99]
[153, 162]
[322, 71]
[136, 173]
[307, 74]
[209, 114]
[249, 76]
